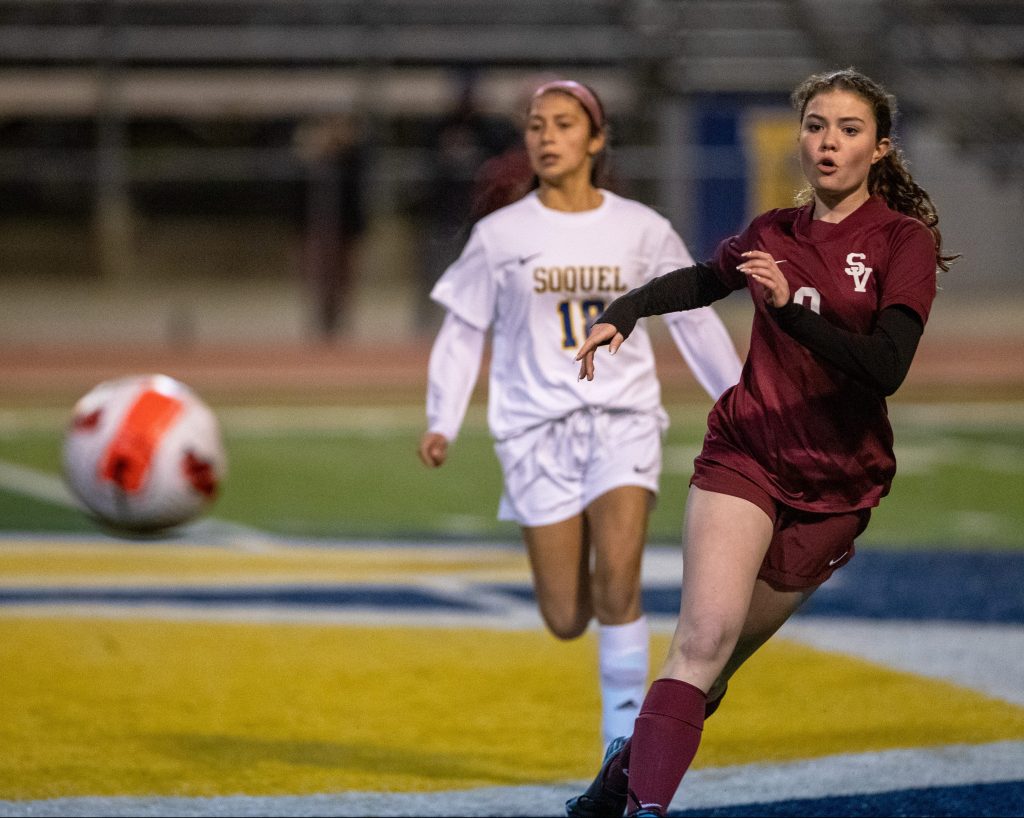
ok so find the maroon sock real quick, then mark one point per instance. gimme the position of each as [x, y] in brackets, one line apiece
[665, 740]
[617, 775]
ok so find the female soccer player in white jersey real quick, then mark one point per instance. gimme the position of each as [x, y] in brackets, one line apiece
[581, 461]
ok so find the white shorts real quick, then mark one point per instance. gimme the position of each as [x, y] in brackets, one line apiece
[555, 470]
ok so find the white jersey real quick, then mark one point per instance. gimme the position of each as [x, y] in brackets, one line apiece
[539, 278]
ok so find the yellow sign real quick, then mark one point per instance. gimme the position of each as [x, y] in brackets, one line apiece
[775, 177]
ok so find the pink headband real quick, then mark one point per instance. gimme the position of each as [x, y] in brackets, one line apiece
[580, 92]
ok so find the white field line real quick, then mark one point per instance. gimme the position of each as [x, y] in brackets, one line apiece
[849, 774]
[326, 418]
[985, 657]
[853, 774]
[37, 484]
[918, 458]
[956, 415]
[511, 618]
[49, 488]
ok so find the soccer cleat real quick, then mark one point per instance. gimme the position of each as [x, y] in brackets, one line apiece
[646, 813]
[599, 800]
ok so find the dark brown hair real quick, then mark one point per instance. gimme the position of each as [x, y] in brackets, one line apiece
[888, 177]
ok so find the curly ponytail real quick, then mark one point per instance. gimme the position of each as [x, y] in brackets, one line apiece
[888, 177]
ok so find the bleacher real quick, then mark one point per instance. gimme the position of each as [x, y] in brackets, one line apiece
[109, 95]
[962, 61]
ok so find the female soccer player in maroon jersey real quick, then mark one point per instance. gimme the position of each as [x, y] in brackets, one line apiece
[800, 450]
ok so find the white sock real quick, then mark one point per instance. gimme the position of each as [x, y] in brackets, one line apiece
[623, 661]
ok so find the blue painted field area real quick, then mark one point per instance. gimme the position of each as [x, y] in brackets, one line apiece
[922, 585]
[1002, 799]
[914, 586]
[307, 596]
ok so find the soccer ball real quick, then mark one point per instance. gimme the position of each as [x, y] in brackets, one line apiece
[144, 453]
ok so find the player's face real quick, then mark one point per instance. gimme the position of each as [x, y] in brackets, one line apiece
[558, 139]
[838, 145]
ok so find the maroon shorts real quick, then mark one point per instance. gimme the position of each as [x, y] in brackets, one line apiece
[806, 546]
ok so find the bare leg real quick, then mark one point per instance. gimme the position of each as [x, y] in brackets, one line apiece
[724, 543]
[725, 615]
[617, 525]
[617, 522]
[568, 595]
[560, 560]
[769, 610]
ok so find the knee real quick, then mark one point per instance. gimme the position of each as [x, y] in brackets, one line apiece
[616, 604]
[566, 630]
[617, 611]
[706, 645]
[565, 624]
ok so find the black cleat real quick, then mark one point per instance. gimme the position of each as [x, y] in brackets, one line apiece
[600, 801]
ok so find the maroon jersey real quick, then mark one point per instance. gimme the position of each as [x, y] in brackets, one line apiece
[813, 437]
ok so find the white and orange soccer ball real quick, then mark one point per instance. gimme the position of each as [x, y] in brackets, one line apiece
[144, 453]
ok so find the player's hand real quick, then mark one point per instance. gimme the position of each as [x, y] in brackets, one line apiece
[600, 334]
[763, 269]
[433, 449]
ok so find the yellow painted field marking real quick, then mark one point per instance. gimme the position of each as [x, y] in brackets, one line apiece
[35, 563]
[105, 707]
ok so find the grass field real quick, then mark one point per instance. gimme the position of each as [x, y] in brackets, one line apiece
[350, 471]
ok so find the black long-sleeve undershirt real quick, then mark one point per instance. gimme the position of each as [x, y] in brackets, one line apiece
[880, 359]
[684, 289]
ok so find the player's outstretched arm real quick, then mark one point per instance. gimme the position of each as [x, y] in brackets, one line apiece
[433, 449]
[600, 335]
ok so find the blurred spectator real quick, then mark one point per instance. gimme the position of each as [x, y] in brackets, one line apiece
[460, 142]
[334, 151]
[501, 180]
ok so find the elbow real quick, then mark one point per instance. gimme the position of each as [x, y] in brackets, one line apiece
[893, 370]
[887, 384]
[887, 390]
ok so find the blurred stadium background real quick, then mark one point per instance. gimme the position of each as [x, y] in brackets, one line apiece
[152, 189]
[166, 169]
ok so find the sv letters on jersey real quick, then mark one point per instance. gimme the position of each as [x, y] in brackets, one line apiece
[860, 273]
[589, 279]
[811, 298]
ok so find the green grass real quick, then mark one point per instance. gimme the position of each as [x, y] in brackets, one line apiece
[960, 483]
[958, 486]
[359, 484]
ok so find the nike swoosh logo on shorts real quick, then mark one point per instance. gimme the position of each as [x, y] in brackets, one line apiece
[531, 257]
[837, 559]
